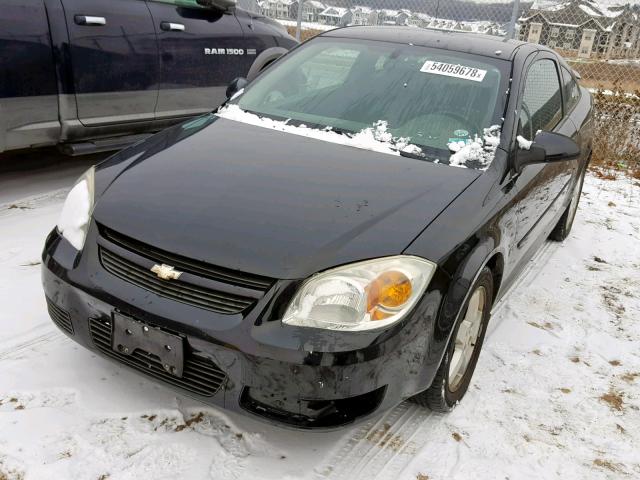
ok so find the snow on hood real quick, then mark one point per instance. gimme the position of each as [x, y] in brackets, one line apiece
[477, 152]
[376, 138]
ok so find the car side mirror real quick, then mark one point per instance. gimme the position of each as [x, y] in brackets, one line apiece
[236, 85]
[217, 4]
[546, 147]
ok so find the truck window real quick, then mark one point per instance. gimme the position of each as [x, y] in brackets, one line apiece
[181, 3]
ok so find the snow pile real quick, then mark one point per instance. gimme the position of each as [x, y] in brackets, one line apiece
[479, 151]
[523, 143]
[307, 25]
[376, 138]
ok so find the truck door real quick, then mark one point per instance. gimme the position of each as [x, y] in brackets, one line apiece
[201, 51]
[28, 88]
[114, 57]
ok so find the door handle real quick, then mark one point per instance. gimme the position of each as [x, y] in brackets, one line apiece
[172, 27]
[89, 20]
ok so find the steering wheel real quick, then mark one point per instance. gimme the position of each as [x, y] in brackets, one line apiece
[463, 121]
[274, 96]
[423, 124]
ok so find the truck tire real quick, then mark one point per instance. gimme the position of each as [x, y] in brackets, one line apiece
[265, 59]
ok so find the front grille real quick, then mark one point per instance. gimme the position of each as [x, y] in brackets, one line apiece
[219, 274]
[60, 317]
[216, 301]
[199, 375]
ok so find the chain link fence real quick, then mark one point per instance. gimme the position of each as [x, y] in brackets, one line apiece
[600, 39]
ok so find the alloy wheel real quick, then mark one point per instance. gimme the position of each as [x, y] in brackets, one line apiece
[466, 338]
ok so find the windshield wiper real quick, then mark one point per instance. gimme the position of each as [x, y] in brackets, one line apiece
[341, 131]
[420, 156]
[417, 156]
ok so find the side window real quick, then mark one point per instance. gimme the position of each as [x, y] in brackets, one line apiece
[570, 90]
[541, 101]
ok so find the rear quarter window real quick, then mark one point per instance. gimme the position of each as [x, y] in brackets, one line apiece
[570, 90]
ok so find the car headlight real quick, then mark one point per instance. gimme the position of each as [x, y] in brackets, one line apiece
[77, 210]
[361, 296]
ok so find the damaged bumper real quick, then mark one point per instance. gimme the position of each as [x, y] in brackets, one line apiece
[300, 377]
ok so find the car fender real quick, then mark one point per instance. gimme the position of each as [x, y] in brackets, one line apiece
[467, 261]
[266, 57]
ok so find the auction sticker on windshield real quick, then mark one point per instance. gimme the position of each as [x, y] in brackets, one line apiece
[454, 70]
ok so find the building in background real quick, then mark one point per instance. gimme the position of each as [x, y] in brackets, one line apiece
[577, 28]
[311, 10]
[444, 24]
[393, 17]
[364, 16]
[584, 28]
[421, 20]
[337, 16]
[284, 9]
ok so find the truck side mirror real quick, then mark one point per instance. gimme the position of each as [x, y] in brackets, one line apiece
[546, 147]
[236, 85]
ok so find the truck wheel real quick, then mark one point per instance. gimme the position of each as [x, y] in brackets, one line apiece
[454, 374]
[263, 60]
[563, 228]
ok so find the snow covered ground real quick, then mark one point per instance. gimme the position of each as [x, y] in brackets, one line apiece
[556, 393]
[307, 25]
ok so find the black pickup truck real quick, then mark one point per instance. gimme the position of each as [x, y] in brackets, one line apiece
[94, 75]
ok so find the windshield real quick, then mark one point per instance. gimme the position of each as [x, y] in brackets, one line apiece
[445, 103]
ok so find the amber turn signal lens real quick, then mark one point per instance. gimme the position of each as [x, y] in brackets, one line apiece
[389, 290]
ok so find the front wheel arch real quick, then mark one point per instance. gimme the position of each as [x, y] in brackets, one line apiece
[440, 396]
[496, 265]
[472, 261]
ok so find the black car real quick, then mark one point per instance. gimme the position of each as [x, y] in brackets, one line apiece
[332, 240]
[96, 75]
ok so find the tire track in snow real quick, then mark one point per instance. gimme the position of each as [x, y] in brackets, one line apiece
[534, 268]
[33, 202]
[15, 351]
[380, 447]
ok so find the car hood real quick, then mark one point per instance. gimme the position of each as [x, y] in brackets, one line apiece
[272, 203]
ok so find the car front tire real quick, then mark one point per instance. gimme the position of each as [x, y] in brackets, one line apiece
[454, 374]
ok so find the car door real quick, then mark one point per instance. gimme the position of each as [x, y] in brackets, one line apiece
[201, 51]
[542, 188]
[114, 60]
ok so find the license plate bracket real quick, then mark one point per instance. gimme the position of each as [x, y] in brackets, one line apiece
[130, 335]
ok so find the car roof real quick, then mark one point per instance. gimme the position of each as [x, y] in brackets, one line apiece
[473, 43]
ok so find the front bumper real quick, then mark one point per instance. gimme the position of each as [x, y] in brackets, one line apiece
[299, 377]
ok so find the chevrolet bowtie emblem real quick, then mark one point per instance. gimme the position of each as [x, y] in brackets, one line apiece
[166, 272]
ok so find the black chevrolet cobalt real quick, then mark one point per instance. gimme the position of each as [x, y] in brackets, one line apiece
[330, 242]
